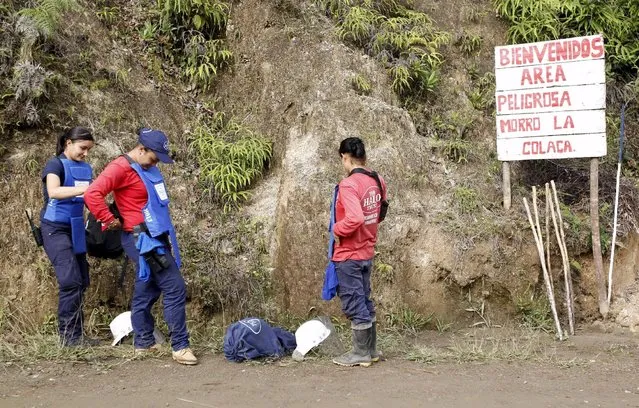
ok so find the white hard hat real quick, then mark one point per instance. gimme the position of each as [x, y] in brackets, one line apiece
[309, 335]
[120, 327]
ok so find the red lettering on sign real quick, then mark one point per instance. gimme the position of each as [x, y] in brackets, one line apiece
[539, 147]
[568, 123]
[567, 147]
[501, 101]
[533, 100]
[559, 74]
[542, 75]
[555, 51]
[503, 57]
[597, 48]
[519, 125]
[538, 79]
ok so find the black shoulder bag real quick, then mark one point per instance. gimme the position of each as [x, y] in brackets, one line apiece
[384, 209]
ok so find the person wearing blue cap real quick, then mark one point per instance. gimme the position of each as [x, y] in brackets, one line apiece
[148, 238]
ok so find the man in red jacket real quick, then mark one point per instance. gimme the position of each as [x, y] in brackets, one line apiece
[359, 203]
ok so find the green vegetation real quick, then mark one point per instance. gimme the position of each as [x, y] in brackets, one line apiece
[190, 34]
[231, 273]
[466, 199]
[45, 17]
[534, 311]
[451, 135]
[403, 39]
[385, 271]
[482, 94]
[108, 15]
[469, 44]
[542, 20]
[362, 85]
[231, 157]
[24, 78]
[407, 320]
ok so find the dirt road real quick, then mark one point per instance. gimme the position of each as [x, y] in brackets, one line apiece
[594, 370]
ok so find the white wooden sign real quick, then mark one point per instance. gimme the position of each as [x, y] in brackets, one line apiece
[550, 99]
[552, 147]
[542, 124]
[556, 99]
[563, 74]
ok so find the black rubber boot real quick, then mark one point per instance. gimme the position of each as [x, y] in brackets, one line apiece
[372, 345]
[360, 354]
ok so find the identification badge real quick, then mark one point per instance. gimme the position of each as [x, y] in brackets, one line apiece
[161, 191]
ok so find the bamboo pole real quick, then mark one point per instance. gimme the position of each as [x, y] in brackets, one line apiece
[614, 228]
[565, 260]
[549, 292]
[548, 209]
[505, 169]
[596, 240]
[614, 236]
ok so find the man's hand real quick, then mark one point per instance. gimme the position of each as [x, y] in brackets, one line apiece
[114, 225]
[336, 239]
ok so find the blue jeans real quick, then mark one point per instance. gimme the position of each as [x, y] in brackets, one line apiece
[170, 284]
[72, 274]
[354, 291]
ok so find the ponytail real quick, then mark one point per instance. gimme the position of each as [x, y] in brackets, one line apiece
[73, 134]
[62, 141]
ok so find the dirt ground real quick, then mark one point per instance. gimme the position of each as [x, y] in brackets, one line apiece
[591, 369]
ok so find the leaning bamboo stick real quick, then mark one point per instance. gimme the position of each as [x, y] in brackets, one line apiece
[540, 251]
[548, 207]
[561, 241]
[564, 257]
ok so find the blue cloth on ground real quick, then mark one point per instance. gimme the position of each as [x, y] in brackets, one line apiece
[329, 290]
[145, 244]
[253, 338]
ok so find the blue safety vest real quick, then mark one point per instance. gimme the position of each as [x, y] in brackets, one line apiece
[156, 211]
[71, 210]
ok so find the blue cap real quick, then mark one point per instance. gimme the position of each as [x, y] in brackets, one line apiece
[157, 141]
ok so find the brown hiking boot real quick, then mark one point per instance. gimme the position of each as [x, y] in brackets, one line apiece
[185, 356]
[154, 349]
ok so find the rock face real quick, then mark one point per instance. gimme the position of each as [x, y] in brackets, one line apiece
[293, 84]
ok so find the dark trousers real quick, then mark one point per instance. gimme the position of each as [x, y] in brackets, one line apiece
[170, 284]
[72, 273]
[354, 291]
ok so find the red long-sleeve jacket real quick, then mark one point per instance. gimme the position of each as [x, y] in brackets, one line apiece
[357, 217]
[128, 190]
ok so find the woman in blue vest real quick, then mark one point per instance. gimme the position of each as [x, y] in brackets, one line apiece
[65, 179]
